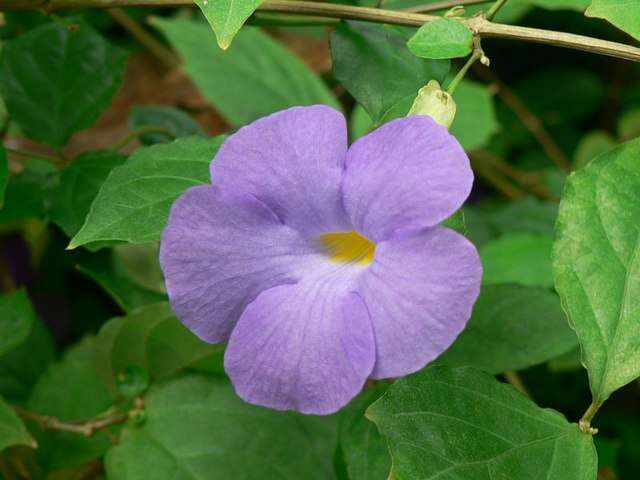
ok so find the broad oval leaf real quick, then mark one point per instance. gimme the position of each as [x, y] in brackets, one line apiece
[133, 202]
[226, 17]
[12, 430]
[596, 264]
[512, 327]
[78, 185]
[442, 38]
[475, 121]
[196, 428]
[373, 63]
[518, 258]
[462, 424]
[176, 122]
[150, 338]
[624, 14]
[58, 78]
[256, 76]
[16, 319]
[70, 390]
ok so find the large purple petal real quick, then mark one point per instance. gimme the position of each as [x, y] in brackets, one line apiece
[419, 292]
[306, 347]
[219, 250]
[292, 161]
[406, 175]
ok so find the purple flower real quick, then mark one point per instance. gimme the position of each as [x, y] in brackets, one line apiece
[320, 264]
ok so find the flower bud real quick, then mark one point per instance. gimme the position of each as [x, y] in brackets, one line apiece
[434, 102]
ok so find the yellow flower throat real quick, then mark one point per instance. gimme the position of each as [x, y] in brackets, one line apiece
[348, 247]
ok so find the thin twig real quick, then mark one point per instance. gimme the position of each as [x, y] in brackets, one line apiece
[29, 154]
[495, 178]
[480, 25]
[164, 54]
[528, 119]
[443, 5]
[495, 8]
[585, 421]
[86, 428]
[514, 379]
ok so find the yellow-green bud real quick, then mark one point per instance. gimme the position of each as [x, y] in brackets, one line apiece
[434, 102]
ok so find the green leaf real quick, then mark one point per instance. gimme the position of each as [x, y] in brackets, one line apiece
[240, 83]
[442, 38]
[141, 262]
[25, 196]
[58, 78]
[71, 390]
[78, 185]
[196, 427]
[151, 338]
[528, 215]
[512, 328]
[363, 450]
[106, 269]
[4, 174]
[624, 14]
[629, 124]
[21, 367]
[12, 430]
[590, 146]
[518, 258]
[475, 121]
[226, 17]
[579, 5]
[596, 264]
[463, 424]
[133, 202]
[176, 122]
[373, 63]
[16, 319]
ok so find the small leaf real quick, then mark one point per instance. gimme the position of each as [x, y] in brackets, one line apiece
[58, 78]
[107, 270]
[23, 366]
[4, 174]
[518, 258]
[240, 83]
[596, 265]
[70, 390]
[363, 450]
[12, 430]
[195, 427]
[78, 185]
[442, 38]
[624, 14]
[150, 338]
[463, 424]
[25, 196]
[176, 122]
[475, 121]
[133, 202]
[16, 319]
[590, 146]
[226, 17]
[512, 328]
[132, 381]
[372, 62]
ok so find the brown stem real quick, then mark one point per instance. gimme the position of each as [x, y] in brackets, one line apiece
[443, 5]
[164, 54]
[86, 428]
[528, 119]
[487, 171]
[480, 25]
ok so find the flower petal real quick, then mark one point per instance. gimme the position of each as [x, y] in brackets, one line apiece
[419, 292]
[293, 161]
[219, 250]
[306, 347]
[406, 175]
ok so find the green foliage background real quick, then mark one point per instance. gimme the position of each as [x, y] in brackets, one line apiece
[98, 379]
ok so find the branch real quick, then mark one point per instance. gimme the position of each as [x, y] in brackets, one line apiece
[479, 24]
[443, 5]
[86, 428]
